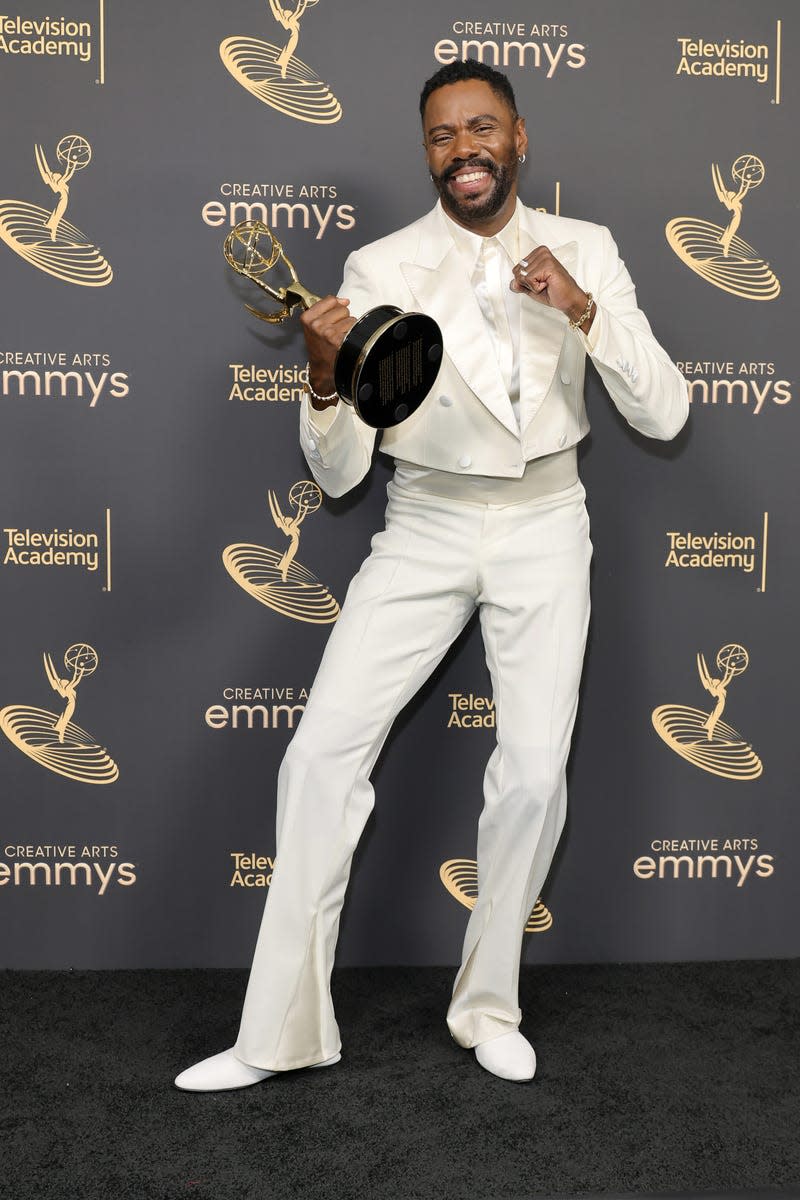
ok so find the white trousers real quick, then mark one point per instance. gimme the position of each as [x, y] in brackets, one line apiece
[526, 567]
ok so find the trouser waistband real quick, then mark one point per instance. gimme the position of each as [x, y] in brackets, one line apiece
[541, 477]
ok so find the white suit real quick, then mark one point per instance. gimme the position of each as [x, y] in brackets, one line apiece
[419, 268]
[522, 561]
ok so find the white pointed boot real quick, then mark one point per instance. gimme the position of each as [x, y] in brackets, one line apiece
[224, 1072]
[511, 1056]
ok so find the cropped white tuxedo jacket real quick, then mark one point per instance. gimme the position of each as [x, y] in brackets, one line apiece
[466, 423]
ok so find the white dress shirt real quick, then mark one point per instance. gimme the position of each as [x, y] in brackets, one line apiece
[490, 262]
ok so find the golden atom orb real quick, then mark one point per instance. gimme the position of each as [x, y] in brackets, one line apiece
[305, 495]
[748, 169]
[81, 656]
[246, 245]
[733, 658]
[74, 149]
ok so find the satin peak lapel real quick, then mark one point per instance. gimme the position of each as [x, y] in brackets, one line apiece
[442, 289]
[542, 333]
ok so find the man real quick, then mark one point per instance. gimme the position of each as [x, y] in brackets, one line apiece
[485, 510]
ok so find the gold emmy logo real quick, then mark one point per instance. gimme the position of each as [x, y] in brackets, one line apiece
[56, 741]
[460, 877]
[46, 239]
[702, 738]
[277, 580]
[717, 254]
[276, 76]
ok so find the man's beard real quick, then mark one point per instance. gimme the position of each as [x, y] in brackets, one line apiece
[466, 209]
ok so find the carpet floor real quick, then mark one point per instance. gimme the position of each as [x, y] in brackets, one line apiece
[670, 1079]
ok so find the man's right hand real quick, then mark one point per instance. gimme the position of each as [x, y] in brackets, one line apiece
[324, 327]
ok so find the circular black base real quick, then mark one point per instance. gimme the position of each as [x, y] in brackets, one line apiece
[387, 364]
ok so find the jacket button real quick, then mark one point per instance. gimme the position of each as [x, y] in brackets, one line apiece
[446, 401]
[566, 378]
[312, 443]
[562, 441]
[465, 461]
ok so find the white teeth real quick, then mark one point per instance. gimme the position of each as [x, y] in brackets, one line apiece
[471, 177]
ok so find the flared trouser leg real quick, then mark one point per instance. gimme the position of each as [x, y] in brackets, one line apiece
[527, 567]
[403, 609]
[534, 609]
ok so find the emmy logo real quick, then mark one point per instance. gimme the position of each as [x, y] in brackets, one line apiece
[46, 239]
[460, 877]
[704, 738]
[54, 740]
[719, 255]
[278, 580]
[276, 76]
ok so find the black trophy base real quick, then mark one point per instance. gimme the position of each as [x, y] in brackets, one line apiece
[387, 364]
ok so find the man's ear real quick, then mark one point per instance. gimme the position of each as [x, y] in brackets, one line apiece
[521, 136]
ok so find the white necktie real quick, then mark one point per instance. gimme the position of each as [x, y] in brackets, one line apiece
[500, 312]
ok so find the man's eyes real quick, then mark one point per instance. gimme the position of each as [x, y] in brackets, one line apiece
[441, 139]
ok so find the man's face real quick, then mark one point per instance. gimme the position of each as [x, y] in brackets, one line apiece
[472, 143]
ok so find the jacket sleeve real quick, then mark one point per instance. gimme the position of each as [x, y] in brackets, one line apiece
[644, 383]
[336, 443]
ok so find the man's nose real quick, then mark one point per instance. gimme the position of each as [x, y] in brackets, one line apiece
[464, 145]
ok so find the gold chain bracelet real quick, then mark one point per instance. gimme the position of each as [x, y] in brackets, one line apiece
[587, 312]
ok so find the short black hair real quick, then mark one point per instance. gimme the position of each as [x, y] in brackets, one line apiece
[457, 72]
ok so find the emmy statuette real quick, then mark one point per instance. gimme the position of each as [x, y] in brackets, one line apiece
[388, 361]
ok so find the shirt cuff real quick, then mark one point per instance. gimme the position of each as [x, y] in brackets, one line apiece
[321, 420]
[591, 339]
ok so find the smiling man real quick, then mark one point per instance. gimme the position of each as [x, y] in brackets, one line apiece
[486, 511]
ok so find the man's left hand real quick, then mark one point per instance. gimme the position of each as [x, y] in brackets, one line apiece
[540, 275]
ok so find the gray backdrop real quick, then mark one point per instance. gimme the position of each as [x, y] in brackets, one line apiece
[178, 465]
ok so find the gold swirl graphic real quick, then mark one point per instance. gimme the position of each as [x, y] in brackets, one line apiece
[704, 738]
[70, 257]
[718, 255]
[78, 756]
[277, 580]
[685, 730]
[292, 87]
[46, 239]
[742, 272]
[460, 877]
[300, 595]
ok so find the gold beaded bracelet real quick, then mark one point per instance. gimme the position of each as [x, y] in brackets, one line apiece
[587, 312]
[322, 399]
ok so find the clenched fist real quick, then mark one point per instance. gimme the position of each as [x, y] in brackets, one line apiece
[324, 327]
[540, 275]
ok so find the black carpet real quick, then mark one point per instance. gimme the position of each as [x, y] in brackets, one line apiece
[678, 1079]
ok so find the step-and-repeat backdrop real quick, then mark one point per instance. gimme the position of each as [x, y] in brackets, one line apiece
[153, 663]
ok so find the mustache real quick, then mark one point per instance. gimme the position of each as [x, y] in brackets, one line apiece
[471, 164]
